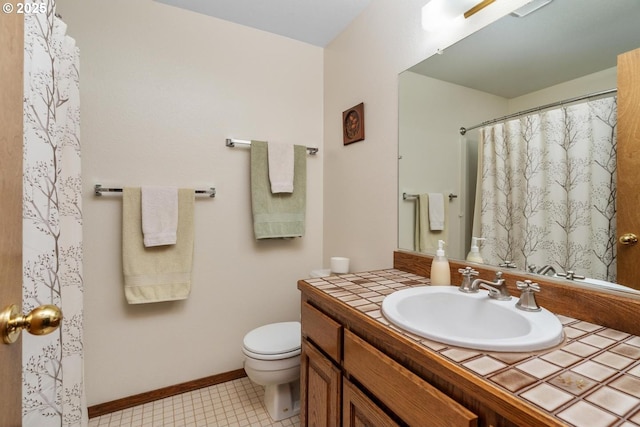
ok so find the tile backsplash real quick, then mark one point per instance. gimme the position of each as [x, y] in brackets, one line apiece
[591, 380]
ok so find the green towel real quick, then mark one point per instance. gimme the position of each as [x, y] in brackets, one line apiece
[425, 240]
[282, 214]
[158, 273]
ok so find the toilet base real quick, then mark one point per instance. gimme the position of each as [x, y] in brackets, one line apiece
[282, 400]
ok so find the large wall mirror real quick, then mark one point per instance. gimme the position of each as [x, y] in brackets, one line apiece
[562, 51]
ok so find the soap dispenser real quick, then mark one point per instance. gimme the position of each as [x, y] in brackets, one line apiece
[474, 253]
[440, 273]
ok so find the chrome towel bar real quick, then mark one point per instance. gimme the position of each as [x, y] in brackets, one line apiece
[406, 196]
[233, 142]
[99, 189]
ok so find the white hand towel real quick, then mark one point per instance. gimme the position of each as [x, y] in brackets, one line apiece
[436, 211]
[280, 158]
[159, 215]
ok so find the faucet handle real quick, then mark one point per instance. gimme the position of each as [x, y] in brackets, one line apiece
[468, 271]
[507, 264]
[527, 301]
[528, 285]
[570, 275]
[466, 285]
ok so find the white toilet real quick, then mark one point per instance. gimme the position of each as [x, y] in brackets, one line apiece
[272, 359]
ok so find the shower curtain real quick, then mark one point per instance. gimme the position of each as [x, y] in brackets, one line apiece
[548, 190]
[53, 385]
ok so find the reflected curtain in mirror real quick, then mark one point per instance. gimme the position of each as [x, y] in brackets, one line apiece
[548, 190]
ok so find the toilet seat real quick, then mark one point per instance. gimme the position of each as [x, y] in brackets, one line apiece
[273, 342]
[278, 356]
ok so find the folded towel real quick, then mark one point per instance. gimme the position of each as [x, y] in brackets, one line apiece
[160, 273]
[280, 167]
[425, 239]
[281, 214]
[159, 215]
[436, 212]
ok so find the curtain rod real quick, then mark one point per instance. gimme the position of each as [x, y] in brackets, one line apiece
[464, 130]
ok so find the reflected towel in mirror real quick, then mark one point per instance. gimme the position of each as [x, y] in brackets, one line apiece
[436, 212]
[426, 239]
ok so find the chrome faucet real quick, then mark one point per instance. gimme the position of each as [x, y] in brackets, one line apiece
[547, 268]
[570, 275]
[466, 285]
[497, 289]
[508, 264]
[527, 301]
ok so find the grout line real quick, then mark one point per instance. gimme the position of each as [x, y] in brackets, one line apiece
[233, 403]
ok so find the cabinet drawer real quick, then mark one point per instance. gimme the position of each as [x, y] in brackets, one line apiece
[410, 397]
[322, 330]
[359, 410]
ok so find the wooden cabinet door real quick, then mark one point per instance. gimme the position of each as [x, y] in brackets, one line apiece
[359, 411]
[11, 83]
[320, 389]
[628, 220]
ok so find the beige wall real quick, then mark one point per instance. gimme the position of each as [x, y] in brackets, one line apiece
[161, 89]
[362, 65]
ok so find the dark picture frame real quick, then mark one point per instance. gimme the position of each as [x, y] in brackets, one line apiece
[353, 124]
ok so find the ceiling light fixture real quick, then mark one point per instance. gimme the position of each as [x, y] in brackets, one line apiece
[530, 7]
[477, 8]
[439, 15]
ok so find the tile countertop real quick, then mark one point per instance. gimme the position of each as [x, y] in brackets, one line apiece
[592, 380]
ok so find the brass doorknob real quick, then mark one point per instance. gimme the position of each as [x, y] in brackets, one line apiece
[628, 239]
[40, 321]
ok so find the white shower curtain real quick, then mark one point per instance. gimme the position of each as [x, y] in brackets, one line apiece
[548, 190]
[53, 384]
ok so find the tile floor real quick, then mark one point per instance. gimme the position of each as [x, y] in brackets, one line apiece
[234, 403]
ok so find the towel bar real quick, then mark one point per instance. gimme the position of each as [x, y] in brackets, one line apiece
[233, 142]
[99, 189]
[406, 196]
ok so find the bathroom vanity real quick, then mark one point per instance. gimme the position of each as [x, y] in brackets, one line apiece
[357, 369]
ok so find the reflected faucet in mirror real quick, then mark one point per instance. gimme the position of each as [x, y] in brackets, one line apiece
[546, 270]
[570, 275]
[507, 264]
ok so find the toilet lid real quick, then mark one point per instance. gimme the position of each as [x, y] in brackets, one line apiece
[276, 338]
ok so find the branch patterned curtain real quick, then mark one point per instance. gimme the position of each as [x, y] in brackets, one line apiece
[549, 190]
[53, 385]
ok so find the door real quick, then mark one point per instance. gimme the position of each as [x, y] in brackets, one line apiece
[320, 389]
[11, 88]
[628, 216]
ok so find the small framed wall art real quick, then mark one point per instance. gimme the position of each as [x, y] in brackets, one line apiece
[353, 124]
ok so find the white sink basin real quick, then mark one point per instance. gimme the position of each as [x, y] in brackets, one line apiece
[444, 314]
